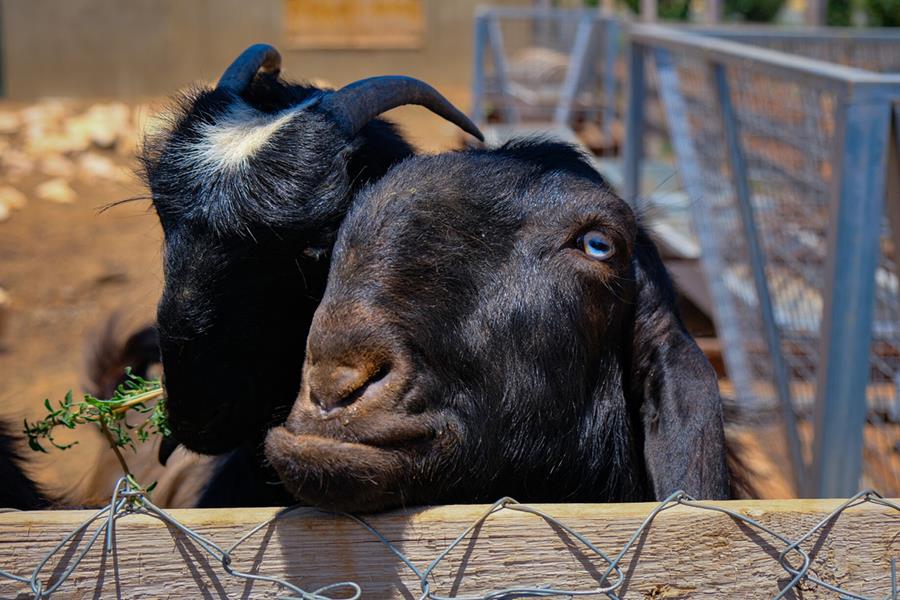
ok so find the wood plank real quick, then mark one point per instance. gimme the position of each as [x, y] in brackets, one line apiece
[686, 552]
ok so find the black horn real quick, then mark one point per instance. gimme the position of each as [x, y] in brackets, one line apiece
[241, 72]
[356, 104]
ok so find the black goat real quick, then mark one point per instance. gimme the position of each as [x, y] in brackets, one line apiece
[498, 323]
[250, 182]
[18, 490]
[495, 323]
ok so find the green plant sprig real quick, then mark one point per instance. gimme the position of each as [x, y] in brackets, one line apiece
[135, 394]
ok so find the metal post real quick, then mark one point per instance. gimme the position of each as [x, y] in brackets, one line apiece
[611, 39]
[580, 56]
[648, 11]
[815, 12]
[634, 122]
[713, 14]
[896, 112]
[738, 166]
[892, 194]
[892, 208]
[849, 295]
[690, 172]
[540, 28]
[478, 84]
[495, 37]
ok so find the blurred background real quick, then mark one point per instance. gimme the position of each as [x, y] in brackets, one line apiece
[760, 234]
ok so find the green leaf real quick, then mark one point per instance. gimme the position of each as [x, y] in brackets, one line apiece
[103, 413]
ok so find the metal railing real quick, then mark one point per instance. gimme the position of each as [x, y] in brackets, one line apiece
[875, 49]
[872, 49]
[784, 161]
[584, 66]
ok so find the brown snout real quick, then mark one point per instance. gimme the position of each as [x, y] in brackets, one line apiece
[336, 386]
[358, 420]
[353, 363]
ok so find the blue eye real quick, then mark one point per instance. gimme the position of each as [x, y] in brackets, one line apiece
[596, 245]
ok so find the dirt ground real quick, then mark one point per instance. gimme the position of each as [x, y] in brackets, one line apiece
[67, 266]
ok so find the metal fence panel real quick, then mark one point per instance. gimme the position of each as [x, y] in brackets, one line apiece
[545, 65]
[765, 153]
[783, 160]
[871, 49]
[874, 49]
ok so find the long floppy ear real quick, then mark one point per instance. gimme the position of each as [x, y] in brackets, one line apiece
[676, 388]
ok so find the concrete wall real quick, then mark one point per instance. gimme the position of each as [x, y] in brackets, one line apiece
[135, 48]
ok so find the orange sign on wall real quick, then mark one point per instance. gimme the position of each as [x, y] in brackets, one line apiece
[354, 23]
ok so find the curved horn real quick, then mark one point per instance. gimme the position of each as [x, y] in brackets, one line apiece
[240, 73]
[357, 103]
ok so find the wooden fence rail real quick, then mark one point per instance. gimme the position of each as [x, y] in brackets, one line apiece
[685, 553]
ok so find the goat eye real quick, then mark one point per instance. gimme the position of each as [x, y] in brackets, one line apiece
[596, 245]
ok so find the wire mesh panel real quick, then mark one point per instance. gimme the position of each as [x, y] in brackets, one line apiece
[762, 151]
[871, 49]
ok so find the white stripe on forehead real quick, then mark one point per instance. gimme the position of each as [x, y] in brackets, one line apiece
[235, 137]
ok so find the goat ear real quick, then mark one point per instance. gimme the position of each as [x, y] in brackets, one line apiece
[675, 387]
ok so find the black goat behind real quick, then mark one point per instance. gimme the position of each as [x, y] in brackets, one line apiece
[18, 490]
[250, 181]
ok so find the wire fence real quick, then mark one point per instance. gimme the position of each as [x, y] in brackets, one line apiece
[771, 159]
[127, 500]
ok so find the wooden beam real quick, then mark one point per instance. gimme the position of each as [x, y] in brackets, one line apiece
[687, 552]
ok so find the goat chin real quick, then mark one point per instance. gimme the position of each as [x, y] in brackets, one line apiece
[326, 472]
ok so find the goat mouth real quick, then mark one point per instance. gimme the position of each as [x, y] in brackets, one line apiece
[336, 474]
[390, 434]
[386, 428]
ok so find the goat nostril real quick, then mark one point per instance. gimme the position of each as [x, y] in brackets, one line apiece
[332, 389]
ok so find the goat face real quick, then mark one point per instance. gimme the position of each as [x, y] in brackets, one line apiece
[250, 182]
[497, 323]
[245, 224]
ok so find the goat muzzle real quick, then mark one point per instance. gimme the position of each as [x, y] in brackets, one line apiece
[335, 387]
